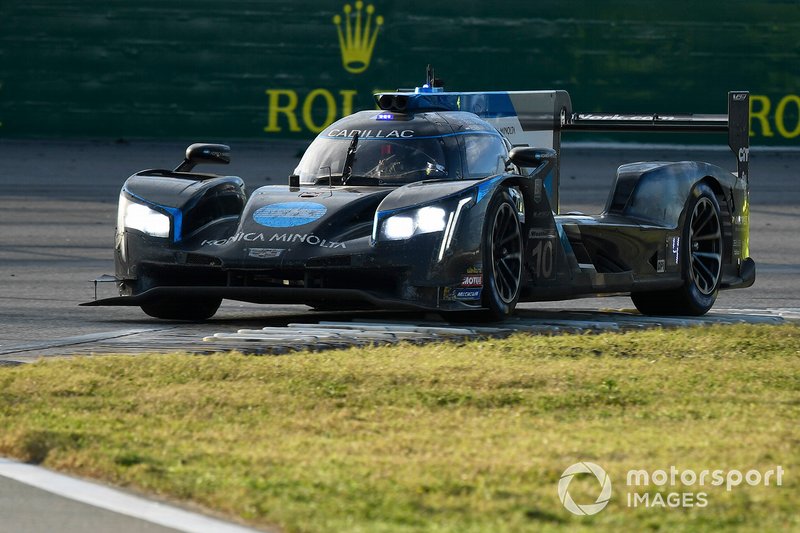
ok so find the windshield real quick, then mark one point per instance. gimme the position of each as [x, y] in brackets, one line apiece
[381, 160]
[486, 154]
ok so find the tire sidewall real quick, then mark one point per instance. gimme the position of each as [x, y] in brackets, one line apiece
[491, 299]
[699, 302]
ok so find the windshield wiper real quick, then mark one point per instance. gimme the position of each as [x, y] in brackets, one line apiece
[348, 160]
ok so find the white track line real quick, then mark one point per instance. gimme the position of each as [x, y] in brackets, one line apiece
[80, 339]
[113, 500]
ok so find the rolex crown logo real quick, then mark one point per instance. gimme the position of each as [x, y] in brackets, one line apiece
[357, 38]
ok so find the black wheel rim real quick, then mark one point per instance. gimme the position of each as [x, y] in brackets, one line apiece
[705, 246]
[506, 253]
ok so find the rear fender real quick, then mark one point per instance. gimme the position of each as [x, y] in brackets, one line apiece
[656, 192]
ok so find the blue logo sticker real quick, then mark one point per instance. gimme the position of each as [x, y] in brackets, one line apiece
[289, 214]
[467, 294]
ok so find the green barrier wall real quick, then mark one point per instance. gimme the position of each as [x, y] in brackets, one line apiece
[261, 69]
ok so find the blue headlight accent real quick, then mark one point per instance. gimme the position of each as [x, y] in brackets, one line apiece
[177, 222]
[385, 116]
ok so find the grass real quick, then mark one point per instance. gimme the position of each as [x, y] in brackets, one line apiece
[443, 437]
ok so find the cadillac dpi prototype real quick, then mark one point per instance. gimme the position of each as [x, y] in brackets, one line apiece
[445, 202]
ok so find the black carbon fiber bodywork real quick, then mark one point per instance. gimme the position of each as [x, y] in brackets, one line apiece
[329, 243]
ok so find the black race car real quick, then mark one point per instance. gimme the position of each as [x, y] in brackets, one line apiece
[445, 202]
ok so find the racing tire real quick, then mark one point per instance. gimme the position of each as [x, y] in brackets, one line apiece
[701, 262]
[194, 310]
[501, 243]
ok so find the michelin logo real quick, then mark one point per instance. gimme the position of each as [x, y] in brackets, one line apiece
[466, 294]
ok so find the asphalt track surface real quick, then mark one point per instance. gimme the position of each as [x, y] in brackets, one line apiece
[57, 213]
[58, 205]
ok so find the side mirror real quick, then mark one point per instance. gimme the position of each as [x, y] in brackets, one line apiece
[526, 156]
[218, 154]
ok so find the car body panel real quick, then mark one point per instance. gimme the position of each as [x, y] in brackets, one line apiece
[389, 208]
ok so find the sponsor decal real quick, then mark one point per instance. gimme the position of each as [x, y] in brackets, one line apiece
[676, 250]
[737, 247]
[537, 190]
[647, 118]
[289, 214]
[539, 233]
[372, 134]
[264, 253]
[305, 238]
[472, 280]
[744, 154]
[241, 236]
[477, 269]
[661, 265]
[466, 294]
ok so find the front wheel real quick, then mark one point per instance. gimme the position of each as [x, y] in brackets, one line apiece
[701, 262]
[502, 253]
[194, 309]
[501, 243]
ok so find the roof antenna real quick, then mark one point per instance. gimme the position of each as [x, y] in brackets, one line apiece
[432, 84]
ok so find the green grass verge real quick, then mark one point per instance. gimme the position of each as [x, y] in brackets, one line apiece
[442, 437]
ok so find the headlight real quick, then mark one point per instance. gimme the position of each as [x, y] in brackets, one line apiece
[418, 221]
[142, 218]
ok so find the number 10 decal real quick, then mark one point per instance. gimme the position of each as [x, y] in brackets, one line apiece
[542, 258]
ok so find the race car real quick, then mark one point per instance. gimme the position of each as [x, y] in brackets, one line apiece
[445, 202]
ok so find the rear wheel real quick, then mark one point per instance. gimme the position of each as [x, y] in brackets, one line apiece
[701, 262]
[194, 309]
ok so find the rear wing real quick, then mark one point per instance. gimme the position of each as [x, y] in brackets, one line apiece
[537, 118]
[736, 123]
